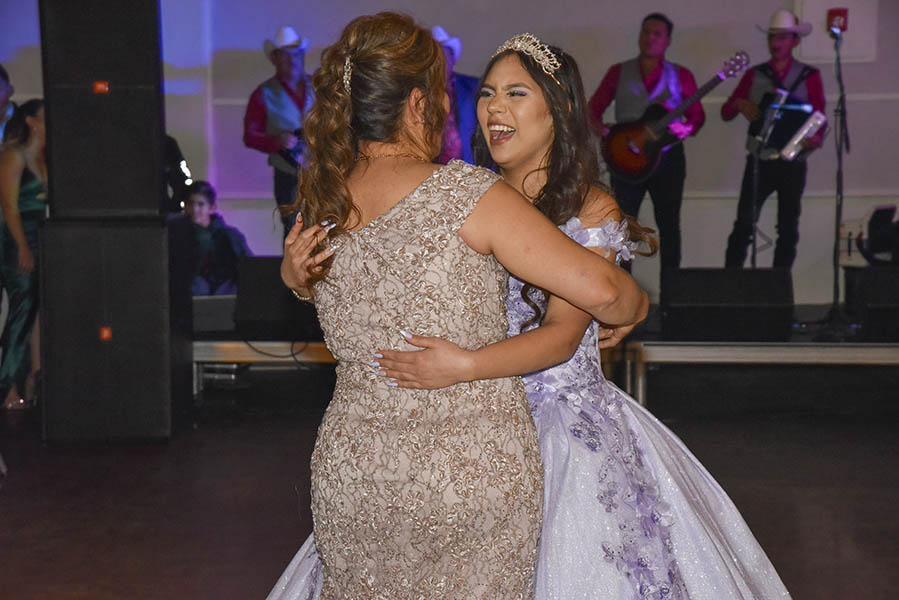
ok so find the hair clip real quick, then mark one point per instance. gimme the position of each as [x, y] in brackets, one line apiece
[347, 76]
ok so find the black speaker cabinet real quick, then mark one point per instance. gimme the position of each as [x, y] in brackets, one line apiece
[266, 309]
[877, 299]
[750, 305]
[104, 107]
[116, 348]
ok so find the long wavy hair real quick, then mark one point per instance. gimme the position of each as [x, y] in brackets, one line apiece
[390, 56]
[572, 166]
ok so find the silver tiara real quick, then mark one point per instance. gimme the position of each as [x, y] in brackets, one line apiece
[347, 76]
[529, 44]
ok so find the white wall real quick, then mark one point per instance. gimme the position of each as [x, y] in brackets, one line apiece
[213, 60]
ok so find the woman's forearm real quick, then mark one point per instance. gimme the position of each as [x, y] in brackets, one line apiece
[14, 224]
[629, 305]
[534, 350]
[534, 250]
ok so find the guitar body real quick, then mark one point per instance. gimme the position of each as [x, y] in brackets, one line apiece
[632, 151]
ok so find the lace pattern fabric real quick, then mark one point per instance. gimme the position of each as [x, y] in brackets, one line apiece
[422, 494]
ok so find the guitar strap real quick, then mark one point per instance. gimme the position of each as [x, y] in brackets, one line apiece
[766, 70]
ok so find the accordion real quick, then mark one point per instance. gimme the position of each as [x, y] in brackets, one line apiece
[791, 124]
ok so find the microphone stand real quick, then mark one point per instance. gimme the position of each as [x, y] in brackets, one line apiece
[839, 327]
[758, 146]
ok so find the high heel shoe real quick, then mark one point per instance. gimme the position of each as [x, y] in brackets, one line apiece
[15, 410]
[15, 404]
[14, 401]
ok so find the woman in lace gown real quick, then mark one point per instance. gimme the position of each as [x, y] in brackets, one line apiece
[423, 494]
[628, 511]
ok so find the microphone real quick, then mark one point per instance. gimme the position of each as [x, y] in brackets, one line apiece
[806, 108]
[835, 32]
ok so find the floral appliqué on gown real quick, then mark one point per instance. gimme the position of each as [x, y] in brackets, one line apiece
[629, 513]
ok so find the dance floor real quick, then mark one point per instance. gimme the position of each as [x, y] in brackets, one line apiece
[218, 511]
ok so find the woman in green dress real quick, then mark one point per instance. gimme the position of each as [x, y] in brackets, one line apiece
[23, 199]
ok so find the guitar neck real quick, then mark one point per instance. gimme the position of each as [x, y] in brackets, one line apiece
[678, 112]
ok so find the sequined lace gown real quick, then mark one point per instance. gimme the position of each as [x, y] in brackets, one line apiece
[630, 514]
[416, 493]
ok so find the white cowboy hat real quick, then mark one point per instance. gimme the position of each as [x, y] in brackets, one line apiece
[286, 37]
[443, 38]
[783, 21]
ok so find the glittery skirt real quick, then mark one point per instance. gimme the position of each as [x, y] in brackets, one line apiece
[630, 511]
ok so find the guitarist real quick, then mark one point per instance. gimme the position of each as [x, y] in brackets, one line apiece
[787, 178]
[634, 85]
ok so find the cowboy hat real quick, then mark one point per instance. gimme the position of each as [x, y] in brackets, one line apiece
[443, 38]
[783, 21]
[286, 37]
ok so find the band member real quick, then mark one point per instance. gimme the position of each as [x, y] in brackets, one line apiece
[274, 118]
[787, 178]
[463, 94]
[634, 85]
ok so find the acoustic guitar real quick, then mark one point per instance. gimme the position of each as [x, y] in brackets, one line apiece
[633, 150]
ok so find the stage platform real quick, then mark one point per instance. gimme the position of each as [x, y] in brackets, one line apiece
[217, 342]
[237, 352]
[645, 348]
[637, 355]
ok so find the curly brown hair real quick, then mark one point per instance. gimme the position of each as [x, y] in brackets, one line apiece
[390, 56]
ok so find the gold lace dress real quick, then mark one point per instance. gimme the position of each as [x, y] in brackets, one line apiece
[415, 493]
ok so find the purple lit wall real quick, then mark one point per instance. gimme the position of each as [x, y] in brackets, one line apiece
[212, 52]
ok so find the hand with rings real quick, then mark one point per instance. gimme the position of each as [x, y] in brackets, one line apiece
[300, 259]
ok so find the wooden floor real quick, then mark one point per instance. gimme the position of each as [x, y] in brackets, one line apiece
[218, 511]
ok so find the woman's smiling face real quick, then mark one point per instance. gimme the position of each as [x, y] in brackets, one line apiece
[514, 116]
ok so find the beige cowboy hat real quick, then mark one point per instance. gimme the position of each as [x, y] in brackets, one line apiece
[286, 37]
[783, 21]
[443, 38]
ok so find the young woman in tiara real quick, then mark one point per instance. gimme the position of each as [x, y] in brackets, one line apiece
[628, 511]
[423, 493]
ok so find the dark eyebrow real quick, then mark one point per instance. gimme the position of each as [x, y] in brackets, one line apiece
[509, 86]
[515, 85]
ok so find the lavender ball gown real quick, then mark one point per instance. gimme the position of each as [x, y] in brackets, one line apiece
[629, 512]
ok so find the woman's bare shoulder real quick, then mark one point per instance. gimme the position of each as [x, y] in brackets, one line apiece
[599, 207]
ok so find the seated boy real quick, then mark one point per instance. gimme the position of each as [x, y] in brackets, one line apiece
[217, 248]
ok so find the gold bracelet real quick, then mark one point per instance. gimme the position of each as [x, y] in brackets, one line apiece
[301, 298]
